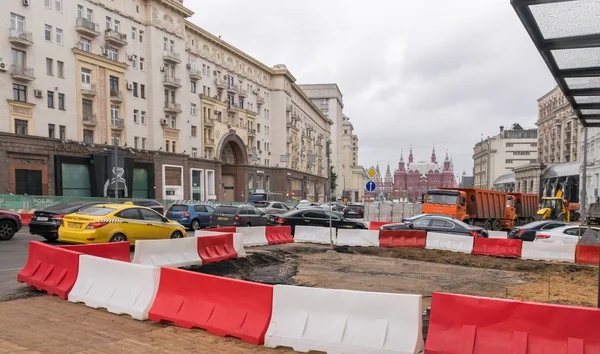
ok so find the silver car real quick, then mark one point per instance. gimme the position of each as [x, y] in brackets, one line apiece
[272, 207]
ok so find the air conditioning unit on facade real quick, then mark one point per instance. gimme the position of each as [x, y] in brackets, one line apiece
[164, 122]
[162, 69]
[131, 57]
[25, 2]
[129, 86]
[38, 93]
[189, 66]
[105, 52]
[2, 66]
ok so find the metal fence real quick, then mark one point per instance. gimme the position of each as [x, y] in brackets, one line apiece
[391, 211]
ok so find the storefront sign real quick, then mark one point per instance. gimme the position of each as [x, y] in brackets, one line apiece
[142, 155]
[81, 149]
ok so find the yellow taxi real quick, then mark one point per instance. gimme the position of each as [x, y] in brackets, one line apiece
[115, 223]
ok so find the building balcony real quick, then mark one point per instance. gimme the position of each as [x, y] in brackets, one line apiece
[195, 74]
[115, 38]
[172, 82]
[117, 124]
[20, 37]
[19, 72]
[171, 57]
[288, 107]
[172, 107]
[221, 84]
[209, 122]
[209, 142]
[116, 96]
[87, 27]
[242, 92]
[260, 100]
[232, 89]
[88, 90]
[89, 119]
[232, 108]
[251, 132]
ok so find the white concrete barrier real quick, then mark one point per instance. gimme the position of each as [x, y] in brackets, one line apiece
[449, 242]
[178, 252]
[549, 251]
[356, 237]
[119, 287]
[238, 240]
[344, 321]
[313, 234]
[254, 235]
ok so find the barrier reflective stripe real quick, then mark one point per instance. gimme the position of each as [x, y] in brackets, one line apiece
[119, 287]
[26, 218]
[402, 238]
[313, 234]
[587, 254]
[50, 269]
[548, 251]
[177, 252]
[374, 225]
[344, 321]
[238, 240]
[467, 324]
[216, 248]
[254, 235]
[279, 234]
[356, 237]
[222, 306]
[497, 247]
[449, 242]
[119, 251]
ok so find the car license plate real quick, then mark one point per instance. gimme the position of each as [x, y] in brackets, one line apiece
[74, 226]
[351, 212]
[222, 218]
[41, 218]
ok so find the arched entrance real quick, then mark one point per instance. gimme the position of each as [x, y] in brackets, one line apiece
[232, 153]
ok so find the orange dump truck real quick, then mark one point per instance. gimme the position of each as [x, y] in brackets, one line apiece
[494, 210]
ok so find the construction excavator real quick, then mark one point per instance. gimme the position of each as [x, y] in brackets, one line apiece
[557, 208]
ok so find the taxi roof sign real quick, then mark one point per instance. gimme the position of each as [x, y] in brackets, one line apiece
[371, 172]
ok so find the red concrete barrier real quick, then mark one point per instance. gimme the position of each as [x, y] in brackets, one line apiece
[497, 247]
[402, 238]
[374, 225]
[26, 218]
[216, 248]
[461, 324]
[587, 254]
[222, 306]
[50, 269]
[119, 251]
[279, 234]
[223, 229]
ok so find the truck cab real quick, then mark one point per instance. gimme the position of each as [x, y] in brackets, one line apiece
[446, 202]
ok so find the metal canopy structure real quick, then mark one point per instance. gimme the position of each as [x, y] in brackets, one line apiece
[567, 35]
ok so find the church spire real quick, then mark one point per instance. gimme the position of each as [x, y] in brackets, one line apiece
[433, 158]
[447, 159]
[410, 156]
[388, 173]
[401, 156]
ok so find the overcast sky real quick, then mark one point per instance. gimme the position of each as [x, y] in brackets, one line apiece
[412, 72]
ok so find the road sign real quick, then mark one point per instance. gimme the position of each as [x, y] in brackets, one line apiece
[371, 172]
[370, 186]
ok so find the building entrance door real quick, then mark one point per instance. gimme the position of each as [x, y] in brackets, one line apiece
[28, 182]
[228, 188]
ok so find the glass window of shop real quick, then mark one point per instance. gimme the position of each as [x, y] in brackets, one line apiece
[198, 185]
[75, 180]
[140, 183]
[251, 182]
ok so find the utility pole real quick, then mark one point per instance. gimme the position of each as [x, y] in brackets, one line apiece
[328, 155]
[115, 165]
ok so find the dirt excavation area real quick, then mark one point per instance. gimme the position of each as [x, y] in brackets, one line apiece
[46, 324]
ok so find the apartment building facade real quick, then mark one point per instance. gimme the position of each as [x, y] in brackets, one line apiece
[192, 116]
[353, 178]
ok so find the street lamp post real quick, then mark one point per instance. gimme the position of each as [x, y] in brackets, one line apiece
[115, 165]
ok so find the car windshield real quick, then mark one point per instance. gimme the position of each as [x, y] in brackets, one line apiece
[550, 203]
[256, 198]
[178, 207]
[66, 206]
[96, 211]
[226, 210]
[442, 199]
[356, 207]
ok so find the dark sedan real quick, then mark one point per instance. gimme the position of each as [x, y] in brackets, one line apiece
[315, 217]
[237, 215]
[46, 222]
[354, 211]
[527, 232]
[439, 223]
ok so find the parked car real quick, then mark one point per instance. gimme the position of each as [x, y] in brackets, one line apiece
[316, 217]
[527, 232]
[569, 234]
[333, 206]
[10, 224]
[272, 207]
[413, 218]
[354, 211]
[237, 215]
[191, 216]
[439, 223]
[264, 197]
[46, 222]
[148, 203]
[305, 205]
[115, 223]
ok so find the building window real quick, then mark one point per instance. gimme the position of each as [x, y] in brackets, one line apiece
[143, 91]
[324, 101]
[142, 64]
[50, 99]
[134, 61]
[113, 54]
[108, 23]
[167, 145]
[62, 132]
[88, 136]
[141, 36]
[194, 132]
[86, 76]
[326, 112]
[509, 161]
[194, 152]
[143, 117]
[60, 69]
[135, 89]
[86, 108]
[20, 127]
[115, 114]
[51, 131]
[58, 5]
[61, 101]
[133, 33]
[59, 36]
[117, 26]
[173, 122]
[89, 14]
[207, 71]
[85, 44]
[193, 109]
[48, 4]
[143, 143]
[113, 84]
[17, 22]
[136, 115]
[509, 144]
[173, 149]
[79, 11]
[136, 142]
[49, 66]
[258, 127]
[193, 86]
[48, 33]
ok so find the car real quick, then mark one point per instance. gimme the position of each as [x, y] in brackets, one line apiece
[103, 223]
[569, 234]
[237, 215]
[191, 216]
[10, 224]
[333, 207]
[148, 203]
[439, 223]
[315, 217]
[305, 205]
[527, 232]
[413, 218]
[46, 222]
[272, 207]
[354, 211]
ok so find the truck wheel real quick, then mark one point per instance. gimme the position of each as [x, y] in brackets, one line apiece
[488, 224]
[496, 225]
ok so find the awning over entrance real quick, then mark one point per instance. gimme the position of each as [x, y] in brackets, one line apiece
[562, 170]
[567, 35]
[505, 178]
